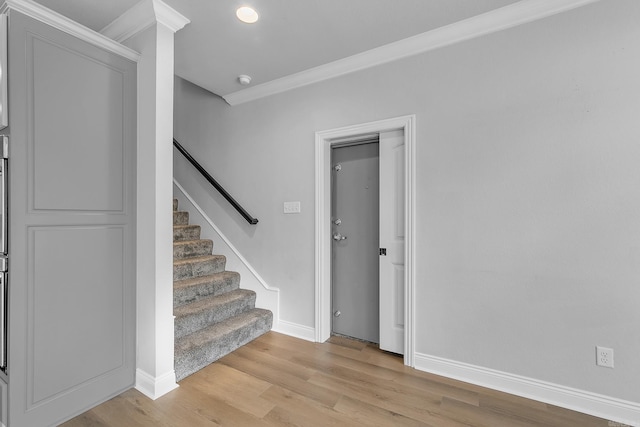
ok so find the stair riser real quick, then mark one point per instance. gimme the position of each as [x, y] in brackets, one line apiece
[198, 268]
[180, 218]
[192, 249]
[188, 362]
[214, 287]
[191, 232]
[185, 325]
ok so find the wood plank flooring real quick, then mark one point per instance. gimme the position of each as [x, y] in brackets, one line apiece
[278, 380]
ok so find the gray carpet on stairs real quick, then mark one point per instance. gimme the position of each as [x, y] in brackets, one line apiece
[213, 315]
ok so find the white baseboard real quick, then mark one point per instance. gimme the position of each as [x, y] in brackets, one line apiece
[155, 387]
[295, 330]
[617, 410]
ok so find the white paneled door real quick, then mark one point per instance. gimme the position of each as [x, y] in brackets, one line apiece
[392, 283]
[72, 127]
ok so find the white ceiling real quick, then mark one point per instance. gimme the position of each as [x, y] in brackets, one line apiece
[291, 35]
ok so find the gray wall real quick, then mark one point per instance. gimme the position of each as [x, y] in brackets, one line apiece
[528, 207]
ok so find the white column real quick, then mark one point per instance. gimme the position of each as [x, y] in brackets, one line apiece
[149, 28]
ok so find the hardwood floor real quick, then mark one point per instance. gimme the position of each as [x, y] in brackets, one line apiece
[278, 380]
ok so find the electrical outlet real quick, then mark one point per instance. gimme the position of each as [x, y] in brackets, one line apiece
[604, 357]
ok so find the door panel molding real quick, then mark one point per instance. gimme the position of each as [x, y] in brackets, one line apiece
[323, 144]
[62, 356]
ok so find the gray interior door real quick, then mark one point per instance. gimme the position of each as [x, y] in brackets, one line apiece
[355, 249]
[72, 126]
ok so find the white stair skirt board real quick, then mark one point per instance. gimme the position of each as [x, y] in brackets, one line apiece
[267, 297]
[616, 410]
[155, 387]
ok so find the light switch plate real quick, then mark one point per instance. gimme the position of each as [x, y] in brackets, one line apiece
[291, 207]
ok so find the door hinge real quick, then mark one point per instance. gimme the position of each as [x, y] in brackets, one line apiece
[383, 251]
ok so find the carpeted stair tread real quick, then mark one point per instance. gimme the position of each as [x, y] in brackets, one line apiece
[192, 248]
[195, 351]
[214, 309]
[190, 290]
[214, 301]
[186, 232]
[198, 266]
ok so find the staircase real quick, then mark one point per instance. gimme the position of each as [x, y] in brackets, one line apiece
[213, 316]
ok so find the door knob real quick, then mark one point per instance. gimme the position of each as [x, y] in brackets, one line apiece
[338, 237]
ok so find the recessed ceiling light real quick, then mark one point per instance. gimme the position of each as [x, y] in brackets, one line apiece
[246, 14]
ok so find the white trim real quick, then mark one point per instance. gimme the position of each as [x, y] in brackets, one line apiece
[169, 17]
[282, 326]
[62, 23]
[133, 21]
[295, 330]
[598, 405]
[409, 233]
[141, 16]
[324, 140]
[490, 22]
[224, 238]
[155, 387]
[267, 297]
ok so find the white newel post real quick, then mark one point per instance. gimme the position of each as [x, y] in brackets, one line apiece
[149, 28]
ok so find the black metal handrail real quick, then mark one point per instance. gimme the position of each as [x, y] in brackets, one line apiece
[212, 181]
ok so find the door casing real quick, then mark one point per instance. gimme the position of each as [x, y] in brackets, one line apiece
[324, 141]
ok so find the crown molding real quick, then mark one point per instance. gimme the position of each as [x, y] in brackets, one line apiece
[141, 16]
[62, 23]
[490, 22]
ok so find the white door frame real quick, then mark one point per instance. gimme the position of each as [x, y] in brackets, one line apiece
[324, 141]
